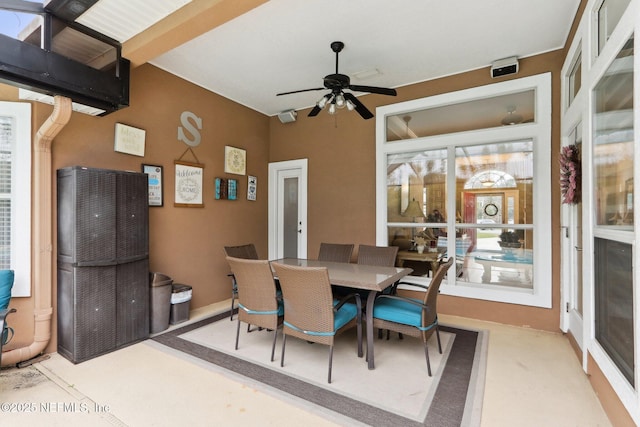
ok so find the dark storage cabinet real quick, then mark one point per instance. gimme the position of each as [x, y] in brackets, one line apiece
[103, 268]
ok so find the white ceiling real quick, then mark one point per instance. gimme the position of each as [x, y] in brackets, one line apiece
[284, 45]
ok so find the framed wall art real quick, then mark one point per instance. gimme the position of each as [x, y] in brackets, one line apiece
[235, 160]
[252, 187]
[155, 184]
[188, 192]
[129, 140]
[226, 189]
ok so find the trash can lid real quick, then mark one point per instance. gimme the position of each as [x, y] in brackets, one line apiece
[159, 279]
[179, 287]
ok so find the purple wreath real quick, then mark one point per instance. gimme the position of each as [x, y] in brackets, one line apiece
[570, 174]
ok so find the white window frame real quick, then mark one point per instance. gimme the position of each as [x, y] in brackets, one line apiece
[20, 197]
[539, 132]
[629, 24]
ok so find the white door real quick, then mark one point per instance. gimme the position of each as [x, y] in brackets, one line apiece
[571, 265]
[288, 209]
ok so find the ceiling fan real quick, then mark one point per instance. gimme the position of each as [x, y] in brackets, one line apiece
[338, 98]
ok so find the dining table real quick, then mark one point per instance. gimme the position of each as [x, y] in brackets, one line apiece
[371, 278]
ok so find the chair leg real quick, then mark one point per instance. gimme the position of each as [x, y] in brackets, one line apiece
[284, 342]
[273, 347]
[438, 335]
[426, 352]
[330, 362]
[233, 300]
[359, 331]
[237, 333]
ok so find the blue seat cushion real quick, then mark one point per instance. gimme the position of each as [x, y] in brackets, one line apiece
[343, 316]
[6, 283]
[398, 311]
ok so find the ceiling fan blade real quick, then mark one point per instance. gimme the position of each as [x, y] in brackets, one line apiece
[374, 89]
[360, 108]
[298, 91]
[314, 111]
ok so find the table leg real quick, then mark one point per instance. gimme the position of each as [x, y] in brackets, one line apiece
[369, 314]
[486, 274]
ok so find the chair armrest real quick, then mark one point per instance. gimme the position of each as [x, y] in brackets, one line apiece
[3, 315]
[411, 284]
[346, 298]
[5, 312]
[409, 300]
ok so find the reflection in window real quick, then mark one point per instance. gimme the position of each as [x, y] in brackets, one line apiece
[575, 77]
[614, 303]
[613, 142]
[609, 15]
[494, 203]
[486, 113]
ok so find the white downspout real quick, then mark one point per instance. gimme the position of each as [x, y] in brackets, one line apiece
[43, 232]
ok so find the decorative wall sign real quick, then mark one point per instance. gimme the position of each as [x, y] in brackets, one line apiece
[235, 160]
[129, 140]
[155, 184]
[188, 191]
[252, 187]
[226, 189]
[186, 119]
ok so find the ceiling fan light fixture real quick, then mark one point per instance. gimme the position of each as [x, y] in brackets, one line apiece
[350, 105]
[340, 97]
[322, 102]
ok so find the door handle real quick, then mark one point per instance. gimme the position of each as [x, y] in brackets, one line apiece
[578, 248]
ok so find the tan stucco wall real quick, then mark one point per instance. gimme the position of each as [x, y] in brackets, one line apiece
[185, 243]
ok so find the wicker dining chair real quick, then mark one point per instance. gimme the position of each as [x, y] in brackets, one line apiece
[377, 255]
[410, 316]
[310, 312]
[247, 251]
[335, 252]
[370, 255]
[258, 301]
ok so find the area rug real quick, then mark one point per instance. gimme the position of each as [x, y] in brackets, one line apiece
[398, 392]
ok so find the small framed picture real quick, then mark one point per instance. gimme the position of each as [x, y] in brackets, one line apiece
[235, 160]
[155, 184]
[129, 140]
[233, 189]
[252, 187]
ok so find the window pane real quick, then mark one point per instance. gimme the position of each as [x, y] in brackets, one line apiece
[575, 77]
[495, 183]
[614, 303]
[417, 196]
[416, 176]
[609, 15]
[485, 113]
[7, 141]
[485, 256]
[613, 142]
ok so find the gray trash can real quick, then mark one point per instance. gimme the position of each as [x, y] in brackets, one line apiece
[160, 301]
[180, 297]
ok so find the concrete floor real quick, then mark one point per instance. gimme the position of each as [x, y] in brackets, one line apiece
[533, 379]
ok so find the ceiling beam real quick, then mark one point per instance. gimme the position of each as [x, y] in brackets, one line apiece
[29, 67]
[188, 22]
